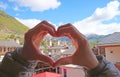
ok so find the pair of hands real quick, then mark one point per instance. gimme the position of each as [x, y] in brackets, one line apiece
[83, 55]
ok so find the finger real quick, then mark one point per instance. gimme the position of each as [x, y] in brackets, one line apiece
[38, 30]
[38, 25]
[46, 60]
[63, 61]
[43, 26]
[45, 29]
[70, 31]
[39, 38]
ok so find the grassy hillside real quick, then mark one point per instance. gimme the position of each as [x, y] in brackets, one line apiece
[10, 27]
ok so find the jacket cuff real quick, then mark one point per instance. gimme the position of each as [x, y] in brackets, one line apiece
[13, 64]
[100, 68]
[16, 56]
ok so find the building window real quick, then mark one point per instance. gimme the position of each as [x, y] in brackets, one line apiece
[59, 70]
[8, 49]
[4, 49]
[111, 51]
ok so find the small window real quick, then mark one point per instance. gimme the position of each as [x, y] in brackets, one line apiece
[4, 49]
[111, 51]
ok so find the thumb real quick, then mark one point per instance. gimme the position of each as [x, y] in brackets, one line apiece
[63, 61]
[46, 60]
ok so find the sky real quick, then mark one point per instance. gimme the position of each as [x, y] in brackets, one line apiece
[88, 16]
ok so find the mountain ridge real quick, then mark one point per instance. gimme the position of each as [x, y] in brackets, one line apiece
[10, 27]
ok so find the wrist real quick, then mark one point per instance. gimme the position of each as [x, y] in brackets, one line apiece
[99, 68]
[93, 65]
[16, 56]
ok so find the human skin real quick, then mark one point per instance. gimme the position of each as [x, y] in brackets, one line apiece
[83, 55]
[33, 38]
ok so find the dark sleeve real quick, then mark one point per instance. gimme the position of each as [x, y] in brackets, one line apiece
[104, 69]
[13, 65]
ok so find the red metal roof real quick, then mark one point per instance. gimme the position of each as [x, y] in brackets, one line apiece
[48, 74]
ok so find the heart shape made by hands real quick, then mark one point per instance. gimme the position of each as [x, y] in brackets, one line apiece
[35, 36]
[57, 47]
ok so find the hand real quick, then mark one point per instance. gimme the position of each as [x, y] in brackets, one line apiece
[83, 55]
[33, 38]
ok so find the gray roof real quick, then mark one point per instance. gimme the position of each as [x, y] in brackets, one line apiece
[111, 39]
[9, 43]
[70, 50]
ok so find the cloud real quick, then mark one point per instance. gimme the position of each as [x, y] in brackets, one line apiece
[38, 5]
[32, 22]
[29, 22]
[106, 13]
[16, 8]
[3, 5]
[94, 23]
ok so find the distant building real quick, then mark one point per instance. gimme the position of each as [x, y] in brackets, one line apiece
[6, 46]
[110, 47]
[69, 50]
[56, 52]
[71, 71]
[59, 49]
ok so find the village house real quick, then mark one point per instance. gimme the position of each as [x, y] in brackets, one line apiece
[62, 49]
[59, 49]
[110, 48]
[71, 70]
[6, 46]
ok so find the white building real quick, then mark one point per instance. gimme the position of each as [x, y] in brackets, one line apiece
[71, 71]
[6, 46]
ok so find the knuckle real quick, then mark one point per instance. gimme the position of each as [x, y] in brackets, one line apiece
[69, 24]
[44, 21]
[28, 35]
[85, 41]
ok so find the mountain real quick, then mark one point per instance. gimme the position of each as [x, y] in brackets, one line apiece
[91, 37]
[94, 39]
[10, 27]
